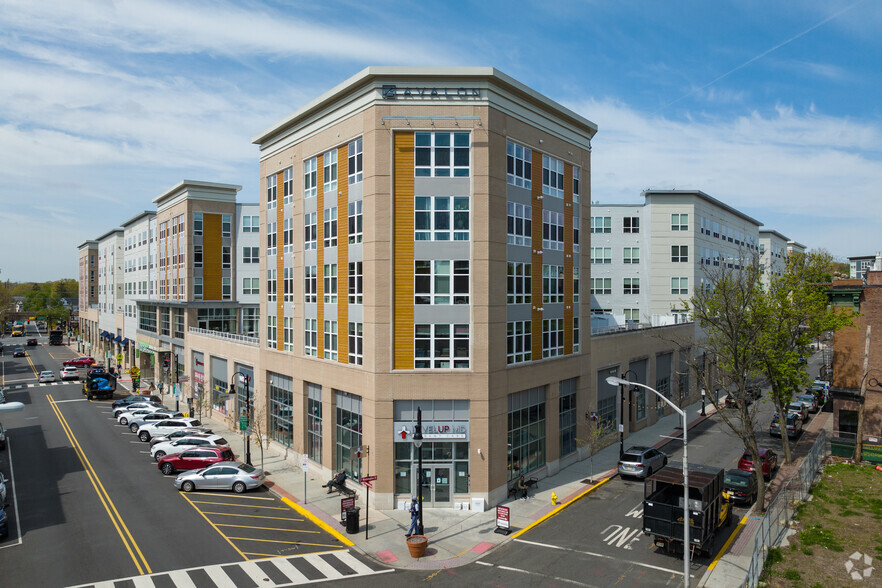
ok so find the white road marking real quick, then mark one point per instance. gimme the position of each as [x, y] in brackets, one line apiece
[71, 400]
[601, 555]
[528, 572]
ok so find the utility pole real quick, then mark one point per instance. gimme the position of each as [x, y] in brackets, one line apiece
[858, 453]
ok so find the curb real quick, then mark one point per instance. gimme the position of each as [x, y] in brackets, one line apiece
[558, 510]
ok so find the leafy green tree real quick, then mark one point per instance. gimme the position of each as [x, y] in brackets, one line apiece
[797, 311]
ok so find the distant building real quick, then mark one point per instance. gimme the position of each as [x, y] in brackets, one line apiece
[858, 266]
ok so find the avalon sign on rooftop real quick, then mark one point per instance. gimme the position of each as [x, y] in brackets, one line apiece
[391, 92]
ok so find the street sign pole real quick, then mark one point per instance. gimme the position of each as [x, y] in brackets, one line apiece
[305, 465]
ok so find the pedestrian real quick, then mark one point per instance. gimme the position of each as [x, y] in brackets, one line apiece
[160, 388]
[338, 481]
[414, 516]
[521, 487]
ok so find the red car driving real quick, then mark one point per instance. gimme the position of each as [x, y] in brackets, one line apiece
[84, 361]
[770, 462]
[194, 459]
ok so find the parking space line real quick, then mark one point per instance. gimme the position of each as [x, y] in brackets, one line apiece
[603, 556]
[231, 514]
[286, 541]
[213, 526]
[322, 524]
[238, 505]
[251, 554]
[267, 528]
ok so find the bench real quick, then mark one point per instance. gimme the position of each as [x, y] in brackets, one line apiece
[341, 489]
[530, 484]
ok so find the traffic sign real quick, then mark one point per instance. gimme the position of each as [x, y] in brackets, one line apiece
[243, 423]
[368, 484]
[364, 479]
[304, 463]
[119, 358]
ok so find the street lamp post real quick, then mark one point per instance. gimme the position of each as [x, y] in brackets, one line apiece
[613, 381]
[418, 443]
[246, 379]
[622, 413]
[703, 394]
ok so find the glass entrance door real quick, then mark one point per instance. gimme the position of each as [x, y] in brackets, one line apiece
[436, 486]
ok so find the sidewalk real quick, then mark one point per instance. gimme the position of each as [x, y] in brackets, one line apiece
[456, 537]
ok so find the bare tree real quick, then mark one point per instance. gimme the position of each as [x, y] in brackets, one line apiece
[599, 434]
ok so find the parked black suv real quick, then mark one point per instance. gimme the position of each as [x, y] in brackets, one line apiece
[135, 398]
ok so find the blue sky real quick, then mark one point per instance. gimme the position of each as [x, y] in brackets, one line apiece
[771, 107]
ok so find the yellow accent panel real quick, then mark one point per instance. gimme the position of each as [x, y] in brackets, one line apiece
[320, 258]
[568, 259]
[537, 257]
[403, 251]
[280, 264]
[211, 257]
[343, 255]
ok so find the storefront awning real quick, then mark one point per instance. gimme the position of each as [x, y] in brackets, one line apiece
[117, 339]
[124, 342]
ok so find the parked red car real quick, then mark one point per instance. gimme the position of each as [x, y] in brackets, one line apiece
[84, 361]
[194, 459]
[770, 462]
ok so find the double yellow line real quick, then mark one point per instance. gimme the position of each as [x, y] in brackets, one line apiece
[115, 518]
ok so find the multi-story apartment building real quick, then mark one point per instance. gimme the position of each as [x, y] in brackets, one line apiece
[139, 267]
[647, 259]
[422, 253]
[87, 274]
[248, 247]
[774, 249]
[860, 265]
[107, 321]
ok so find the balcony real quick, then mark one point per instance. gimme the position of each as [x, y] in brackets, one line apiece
[243, 339]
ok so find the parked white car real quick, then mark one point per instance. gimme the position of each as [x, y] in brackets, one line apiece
[184, 443]
[134, 406]
[126, 417]
[159, 428]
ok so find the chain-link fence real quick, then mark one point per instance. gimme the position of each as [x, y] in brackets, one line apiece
[782, 510]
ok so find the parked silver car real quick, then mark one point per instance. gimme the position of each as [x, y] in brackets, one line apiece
[811, 403]
[641, 461]
[194, 431]
[227, 475]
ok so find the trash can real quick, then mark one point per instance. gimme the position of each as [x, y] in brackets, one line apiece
[352, 520]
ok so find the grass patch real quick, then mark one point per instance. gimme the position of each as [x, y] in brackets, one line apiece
[792, 575]
[775, 556]
[849, 513]
[818, 535]
[808, 550]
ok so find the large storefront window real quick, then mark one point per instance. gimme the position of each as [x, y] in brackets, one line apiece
[662, 381]
[198, 381]
[445, 449]
[281, 404]
[241, 397]
[219, 387]
[314, 422]
[217, 319]
[348, 432]
[526, 431]
[639, 394]
[250, 321]
[568, 416]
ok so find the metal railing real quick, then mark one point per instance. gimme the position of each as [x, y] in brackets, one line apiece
[253, 341]
[781, 511]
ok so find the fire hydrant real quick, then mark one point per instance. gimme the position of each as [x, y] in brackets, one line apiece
[553, 498]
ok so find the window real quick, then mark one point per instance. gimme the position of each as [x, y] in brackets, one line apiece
[679, 253]
[271, 191]
[576, 334]
[601, 285]
[567, 414]
[356, 221]
[601, 224]
[552, 337]
[288, 186]
[288, 284]
[197, 255]
[197, 224]
[356, 282]
[314, 422]
[680, 222]
[310, 338]
[164, 321]
[356, 343]
[520, 283]
[520, 224]
[526, 431]
[519, 346]
[631, 224]
[329, 160]
[432, 281]
[632, 316]
[553, 284]
[310, 181]
[288, 235]
[436, 221]
[716, 230]
[288, 333]
[281, 401]
[601, 255]
[356, 172]
[250, 224]
[330, 339]
[577, 183]
[552, 177]
[330, 232]
[552, 230]
[271, 285]
[575, 283]
[309, 283]
[441, 346]
[226, 257]
[349, 427]
[631, 255]
[226, 225]
[631, 286]
[249, 255]
[271, 340]
[679, 285]
[330, 282]
[270, 238]
[575, 235]
[250, 286]
[441, 154]
[147, 318]
[310, 231]
[520, 166]
[226, 288]
[197, 288]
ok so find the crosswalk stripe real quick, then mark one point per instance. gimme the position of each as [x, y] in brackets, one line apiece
[254, 572]
[353, 563]
[323, 566]
[288, 569]
[219, 577]
[143, 582]
[181, 579]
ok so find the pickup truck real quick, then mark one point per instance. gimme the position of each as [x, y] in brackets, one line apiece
[99, 384]
[710, 507]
